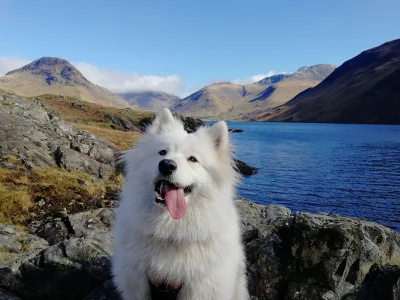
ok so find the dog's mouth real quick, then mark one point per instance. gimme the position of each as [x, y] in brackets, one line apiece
[172, 196]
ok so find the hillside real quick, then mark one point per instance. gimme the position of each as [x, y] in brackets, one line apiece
[364, 89]
[150, 100]
[52, 75]
[233, 101]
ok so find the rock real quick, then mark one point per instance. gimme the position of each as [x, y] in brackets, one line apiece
[106, 291]
[94, 224]
[190, 124]
[80, 106]
[300, 256]
[83, 181]
[14, 242]
[4, 295]
[380, 283]
[68, 270]
[38, 137]
[244, 168]
[235, 130]
[53, 232]
[121, 123]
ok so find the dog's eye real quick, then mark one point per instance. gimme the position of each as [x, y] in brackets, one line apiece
[192, 159]
[163, 152]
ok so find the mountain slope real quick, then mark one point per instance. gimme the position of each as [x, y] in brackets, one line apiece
[364, 89]
[150, 100]
[52, 75]
[233, 101]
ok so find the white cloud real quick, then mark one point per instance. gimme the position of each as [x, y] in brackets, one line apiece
[9, 63]
[253, 78]
[123, 82]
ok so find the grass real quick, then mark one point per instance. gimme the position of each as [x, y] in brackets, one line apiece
[122, 139]
[21, 188]
[93, 118]
[74, 110]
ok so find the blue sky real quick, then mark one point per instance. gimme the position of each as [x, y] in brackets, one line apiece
[179, 46]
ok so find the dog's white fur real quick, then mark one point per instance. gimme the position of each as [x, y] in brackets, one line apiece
[203, 250]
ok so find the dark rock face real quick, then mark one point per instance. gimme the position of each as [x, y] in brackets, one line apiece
[4, 295]
[34, 133]
[380, 283]
[190, 124]
[312, 256]
[68, 270]
[297, 256]
[244, 168]
[235, 130]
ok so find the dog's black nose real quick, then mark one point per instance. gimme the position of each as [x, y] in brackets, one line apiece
[167, 166]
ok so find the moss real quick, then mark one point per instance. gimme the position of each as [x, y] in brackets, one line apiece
[13, 159]
[5, 254]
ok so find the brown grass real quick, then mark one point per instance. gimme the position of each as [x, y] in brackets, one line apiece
[89, 112]
[20, 188]
[91, 117]
[122, 139]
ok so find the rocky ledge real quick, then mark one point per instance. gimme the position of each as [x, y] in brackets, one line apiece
[291, 256]
[35, 134]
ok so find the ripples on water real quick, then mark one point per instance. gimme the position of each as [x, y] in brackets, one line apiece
[352, 170]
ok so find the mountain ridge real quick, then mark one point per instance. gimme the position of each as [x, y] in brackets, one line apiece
[364, 89]
[150, 100]
[234, 101]
[54, 75]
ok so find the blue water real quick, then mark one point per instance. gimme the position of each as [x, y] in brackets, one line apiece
[351, 170]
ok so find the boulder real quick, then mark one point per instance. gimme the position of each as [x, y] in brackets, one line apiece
[291, 256]
[93, 224]
[380, 283]
[235, 130]
[4, 295]
[191, 124]
[34, 134]
[68, 270]
[244, 168]
[312, 256]
[14, 243]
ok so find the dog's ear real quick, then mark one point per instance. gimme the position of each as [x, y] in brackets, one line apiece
[162, 118]
[220, 135]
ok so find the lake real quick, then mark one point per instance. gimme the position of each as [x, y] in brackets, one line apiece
[352, 170]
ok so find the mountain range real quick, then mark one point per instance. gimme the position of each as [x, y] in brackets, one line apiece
[53, 75]
[150, 100]
[364, 89]
[234, 101]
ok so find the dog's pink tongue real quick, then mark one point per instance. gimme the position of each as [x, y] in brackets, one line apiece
[175, 201]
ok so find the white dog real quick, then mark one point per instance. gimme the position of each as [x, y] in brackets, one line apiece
[177, 225]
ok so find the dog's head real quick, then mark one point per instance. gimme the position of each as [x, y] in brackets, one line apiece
[176, 169]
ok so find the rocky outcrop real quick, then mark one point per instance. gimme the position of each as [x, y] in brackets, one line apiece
[312, 256]
[298, 256]
[38, 137]
[244, 168]
[190, 124]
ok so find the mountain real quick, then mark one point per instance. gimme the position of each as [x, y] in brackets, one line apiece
[52, 75]
[233, 101]
[364, 89]
[150, 100]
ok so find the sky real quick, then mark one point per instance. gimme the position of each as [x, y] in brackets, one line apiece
[178, 46]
